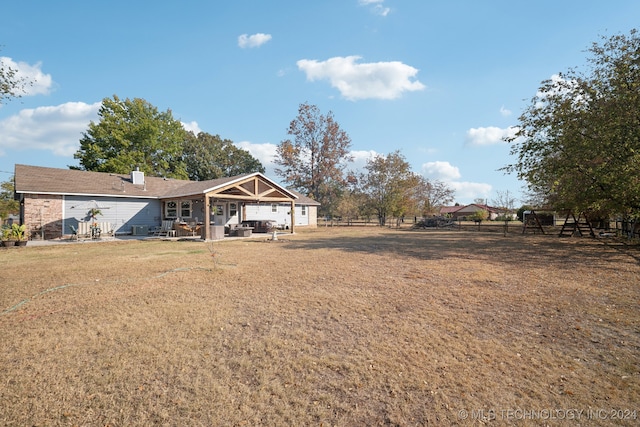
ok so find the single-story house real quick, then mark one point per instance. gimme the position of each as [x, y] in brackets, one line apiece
[464, 212]
[55, 201]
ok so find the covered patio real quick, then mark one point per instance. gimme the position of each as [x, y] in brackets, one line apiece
[211, 208]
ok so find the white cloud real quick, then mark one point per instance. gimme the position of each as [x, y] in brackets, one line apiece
[40, 82]
[381, 10]
[379, 80]
[360, 159]
[465, 191]
[505, 112]
[377, 6]
[265, 153]
[442, 171]
[561, 87]
[491, 135]
[254, 40]
[192, 127]
[470, 191]
[57, 129]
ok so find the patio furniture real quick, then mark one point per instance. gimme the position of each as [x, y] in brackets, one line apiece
[74, 232]
[166, 229]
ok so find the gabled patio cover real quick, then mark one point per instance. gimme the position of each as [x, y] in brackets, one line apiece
[254, 188]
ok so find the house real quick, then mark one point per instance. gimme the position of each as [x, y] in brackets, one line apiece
[465, 212]
[52, 201]
[448, 211]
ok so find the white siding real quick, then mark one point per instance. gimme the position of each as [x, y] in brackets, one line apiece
[282, 217]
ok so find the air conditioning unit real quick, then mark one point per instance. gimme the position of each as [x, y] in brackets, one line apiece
[139, 230]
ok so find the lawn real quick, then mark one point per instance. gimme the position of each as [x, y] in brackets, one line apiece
[333, 326]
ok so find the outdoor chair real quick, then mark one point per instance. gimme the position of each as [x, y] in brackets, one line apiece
[74, 232]
[166, 229]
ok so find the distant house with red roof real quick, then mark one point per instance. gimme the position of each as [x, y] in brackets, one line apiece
[467, 211]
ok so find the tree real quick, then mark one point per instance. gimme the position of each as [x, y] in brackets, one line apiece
[209, 156]
[479, 216]
[353, 202]
[349, 206]
[8, 205]
[12, 85]
[133, 134]
[505, 202]
[313, 162]
[433, 195]
[390, 186]
[578, 142]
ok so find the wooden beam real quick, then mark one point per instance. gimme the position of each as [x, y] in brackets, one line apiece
[293, 215]
[206, 220]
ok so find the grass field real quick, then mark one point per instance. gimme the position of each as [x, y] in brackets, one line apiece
[333, 326]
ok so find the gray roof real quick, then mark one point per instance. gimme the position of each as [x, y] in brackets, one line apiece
[44, 180]
[304, 200]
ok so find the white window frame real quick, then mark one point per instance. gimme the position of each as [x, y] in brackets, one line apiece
[303, 210]
[171, 209]
[186, 206]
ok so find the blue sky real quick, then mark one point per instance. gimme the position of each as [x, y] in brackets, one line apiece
[440, 81]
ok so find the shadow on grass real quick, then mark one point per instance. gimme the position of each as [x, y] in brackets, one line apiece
[531, 250]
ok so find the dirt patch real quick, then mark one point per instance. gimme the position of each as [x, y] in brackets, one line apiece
[362, 326]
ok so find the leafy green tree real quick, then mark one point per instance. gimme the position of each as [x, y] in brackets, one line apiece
[133, 134]
[390, 186]
[578, 142]
[8, 205]
[313, 162]
[479, 216]
[209, 156]
[11, 84]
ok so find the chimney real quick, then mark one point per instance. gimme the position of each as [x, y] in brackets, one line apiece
[137, 177]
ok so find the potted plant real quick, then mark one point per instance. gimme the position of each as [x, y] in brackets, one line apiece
[5, 235]
[93, 213]
[17, 233]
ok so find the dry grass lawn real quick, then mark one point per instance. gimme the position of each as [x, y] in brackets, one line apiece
[338, 326]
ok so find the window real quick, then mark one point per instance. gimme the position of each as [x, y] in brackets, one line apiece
[274, 208]
[233, 209]
[177, 209]
[303, 210]
[185, 209]
[171, 209]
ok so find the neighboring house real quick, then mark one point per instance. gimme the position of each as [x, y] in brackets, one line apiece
[448, 211]
[54, 200]
[464, 212]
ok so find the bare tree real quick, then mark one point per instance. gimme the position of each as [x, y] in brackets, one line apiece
[505, 202]
[433, 195]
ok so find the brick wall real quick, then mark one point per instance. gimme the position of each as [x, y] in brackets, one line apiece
[42, 213]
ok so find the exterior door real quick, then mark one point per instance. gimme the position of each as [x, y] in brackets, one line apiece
[233, 214]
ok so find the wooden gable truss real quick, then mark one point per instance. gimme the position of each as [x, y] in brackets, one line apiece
[253, 189]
